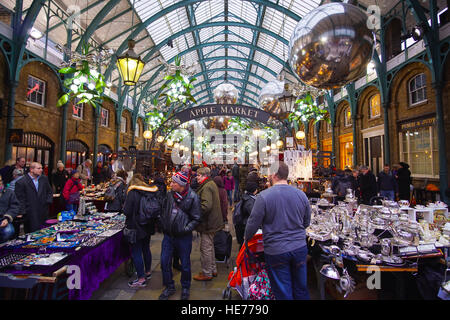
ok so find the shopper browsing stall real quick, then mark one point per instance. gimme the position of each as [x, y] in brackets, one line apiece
[85, 170]
[71, 192]
[9, 209]
[140, 230]
[117, 189]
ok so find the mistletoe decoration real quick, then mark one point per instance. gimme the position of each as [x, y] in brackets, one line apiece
[307, 109]
[155, 119]
[179, 86]
[86, 85]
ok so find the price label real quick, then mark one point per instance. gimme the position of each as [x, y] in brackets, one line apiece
[426, 248]
[408, 250]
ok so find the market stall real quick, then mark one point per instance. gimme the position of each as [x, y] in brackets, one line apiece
[349, 242]
[88, 247]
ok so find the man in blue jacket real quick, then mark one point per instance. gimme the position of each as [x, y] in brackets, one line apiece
[284, 213]
[387, 184]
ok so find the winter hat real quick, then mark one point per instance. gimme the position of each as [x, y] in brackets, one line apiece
[73, 172]
[251, 187]
[181, 178]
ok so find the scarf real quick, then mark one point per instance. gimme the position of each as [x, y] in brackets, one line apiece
[180, 196]
[203, 181]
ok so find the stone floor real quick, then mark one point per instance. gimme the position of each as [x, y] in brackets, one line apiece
[116, 287]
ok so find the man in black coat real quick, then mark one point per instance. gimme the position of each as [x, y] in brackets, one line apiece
[181, 214]
[367, 185]
[404, 182]
[34, 194]
[9, 209]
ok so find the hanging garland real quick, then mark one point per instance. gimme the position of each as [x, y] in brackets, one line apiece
[306, 109]
[86, 84]
[179, 87]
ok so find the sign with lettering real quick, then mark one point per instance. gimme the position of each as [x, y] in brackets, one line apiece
[218, 110]
[409, 126]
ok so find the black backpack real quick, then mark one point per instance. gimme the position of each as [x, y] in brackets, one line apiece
[238, 218]
[149, 208]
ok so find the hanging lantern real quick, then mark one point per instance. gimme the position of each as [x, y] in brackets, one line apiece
[147, 134]
[300, 135]
[130, 65]
[160, 139]
[279, 144]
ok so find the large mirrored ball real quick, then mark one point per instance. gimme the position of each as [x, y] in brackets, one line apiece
[225, 93]
[331, 46]
[269, 95]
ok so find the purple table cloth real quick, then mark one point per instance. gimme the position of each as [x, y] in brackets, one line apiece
[96, 264]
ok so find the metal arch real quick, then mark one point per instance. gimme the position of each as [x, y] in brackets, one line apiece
[231, 70]
[94, 24]
[203, 26]
[140, 27]
[149, 82]
[53, 68]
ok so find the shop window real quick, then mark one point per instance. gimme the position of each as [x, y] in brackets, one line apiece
[417, 89]
[374, 107]
[138, 130]
[76, 153]
[104, 117]
[347, 117]
[36, 91]
[420, 151]
[78, 109]
[34, 148]
[328, 124]
[123, 124]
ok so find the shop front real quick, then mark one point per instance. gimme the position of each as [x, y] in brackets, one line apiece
[327, 146]
[35, 147]
[346, 151]
[373, 148]
[76, 152]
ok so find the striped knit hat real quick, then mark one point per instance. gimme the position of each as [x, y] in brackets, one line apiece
[181, 178]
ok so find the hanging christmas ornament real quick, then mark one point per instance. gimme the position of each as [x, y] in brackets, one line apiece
[331, 46]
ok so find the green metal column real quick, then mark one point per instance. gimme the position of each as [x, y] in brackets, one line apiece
[96, 126]
[10, 117]
[62, 154]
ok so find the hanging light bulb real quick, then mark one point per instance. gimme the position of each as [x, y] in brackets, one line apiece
[160, 139]
[147, 134]
[279, 144]
[300, 135]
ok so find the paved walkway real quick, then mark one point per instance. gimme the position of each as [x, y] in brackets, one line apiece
[116, 286]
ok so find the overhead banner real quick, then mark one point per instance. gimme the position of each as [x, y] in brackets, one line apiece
[218, 110]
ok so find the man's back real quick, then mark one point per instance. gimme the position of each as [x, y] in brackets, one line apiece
[284, 213]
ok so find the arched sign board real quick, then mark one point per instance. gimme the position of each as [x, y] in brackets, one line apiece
[219, 110]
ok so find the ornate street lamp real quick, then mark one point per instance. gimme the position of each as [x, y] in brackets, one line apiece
[130, 65]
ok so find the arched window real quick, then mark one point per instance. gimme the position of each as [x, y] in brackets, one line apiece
[347, 117]
[374, 106]
[137, 132]
[417, 88]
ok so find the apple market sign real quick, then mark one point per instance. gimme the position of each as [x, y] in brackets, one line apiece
[219, 110]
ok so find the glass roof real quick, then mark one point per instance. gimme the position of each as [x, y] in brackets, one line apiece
[228, 51]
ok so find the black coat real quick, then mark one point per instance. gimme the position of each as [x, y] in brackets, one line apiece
[99, 175]
[187, 217]
[247, 205]
[368, 187]
[131, 211]
[59, 179]
[34, 204]
[404, 181]
[119, 198]
[9, 205]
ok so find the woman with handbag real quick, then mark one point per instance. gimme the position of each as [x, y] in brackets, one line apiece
[138, 232]
[71, 191]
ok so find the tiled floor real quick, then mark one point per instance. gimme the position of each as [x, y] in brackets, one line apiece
[116, 287]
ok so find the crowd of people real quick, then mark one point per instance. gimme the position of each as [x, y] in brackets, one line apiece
[391, 184]
[199, 199]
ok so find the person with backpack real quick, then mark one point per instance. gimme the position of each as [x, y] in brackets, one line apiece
[243, 209]
[116, 193]
[181, 214]
[223, 197]
[71, 192]
[141, 209]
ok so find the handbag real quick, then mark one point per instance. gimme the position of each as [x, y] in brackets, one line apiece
[260, 289]
[130, 235]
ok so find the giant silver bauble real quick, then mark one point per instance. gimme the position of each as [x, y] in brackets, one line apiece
[225, 93]
[269, 95]
[331, 46]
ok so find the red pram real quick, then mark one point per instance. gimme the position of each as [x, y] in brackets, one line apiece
[248, 265]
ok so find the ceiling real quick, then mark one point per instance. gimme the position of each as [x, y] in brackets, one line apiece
[242, 42]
